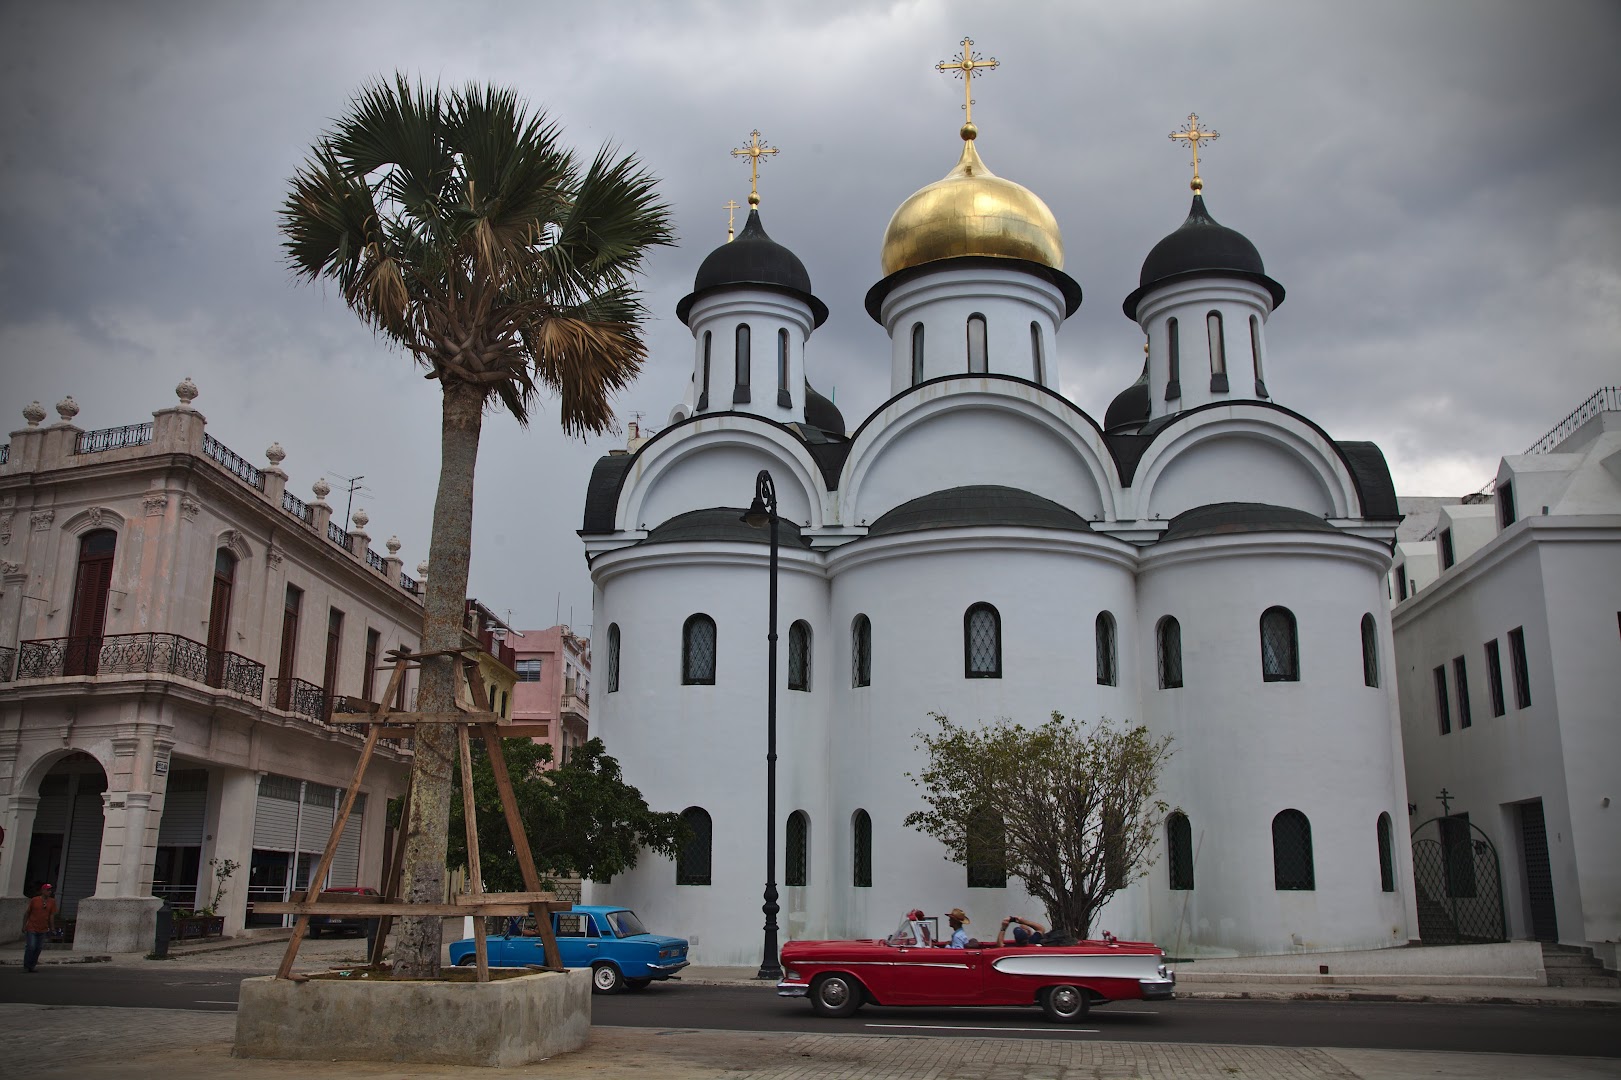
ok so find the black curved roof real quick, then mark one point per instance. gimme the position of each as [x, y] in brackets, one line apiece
[723, 523]
[1202, 245]
[979, 504]
[1130, 407]
[821, 413]
[1220, 519]
[753, 258]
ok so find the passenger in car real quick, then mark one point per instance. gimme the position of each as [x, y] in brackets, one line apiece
[1025, 932]
[958, 920]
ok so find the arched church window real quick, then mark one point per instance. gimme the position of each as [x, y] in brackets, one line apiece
[1179, 848]
[698, 651]
[740, 395]
[692, 859]
[1292, 867]
[796, 852]
[799, 655]
[861, 651]
[703, 391]
[986, 855]
[917, 353]
[861, 846]
[982, 642]
[783, 397]
[1168, 637]
[1387, 859]
[1255, 354]
[977, 350]
[1370, 651]
[1280, 646]
[1038, 362]
[1108, 666]
[1173, 374]
[613, 658]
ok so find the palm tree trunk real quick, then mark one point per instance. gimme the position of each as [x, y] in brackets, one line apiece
[417, 941]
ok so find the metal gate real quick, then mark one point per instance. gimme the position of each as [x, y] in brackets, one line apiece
[1459, 881]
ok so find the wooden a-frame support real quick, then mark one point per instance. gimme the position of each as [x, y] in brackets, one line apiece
[473, 711]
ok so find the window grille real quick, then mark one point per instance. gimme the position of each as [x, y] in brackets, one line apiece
[613, 657]
[861, 651]
[698, 651]
[1387, 860]
[917, 353]
[1443, 709]
[986, 851]
[1108, 668]
[796, 852]
[1292, 867]
[861, 842]
[1494, 677]
[1179, 846]
[799, 656]
[1460, 679]
[692, 859]
[1280, 651]
[1169, 634]
[977, 355]
[528, 670]
[982, 642]
[1370, 651]
[1522, 670]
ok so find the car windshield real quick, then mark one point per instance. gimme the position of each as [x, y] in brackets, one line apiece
[909, 932]
[625, 923]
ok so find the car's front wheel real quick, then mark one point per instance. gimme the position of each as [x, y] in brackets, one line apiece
[605, 979]
[835, 995]
[638, 984]
[1064, 1004]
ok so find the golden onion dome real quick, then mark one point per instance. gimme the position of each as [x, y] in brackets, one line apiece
[972, 211]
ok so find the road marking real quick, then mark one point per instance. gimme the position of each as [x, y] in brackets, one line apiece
[970, 1027]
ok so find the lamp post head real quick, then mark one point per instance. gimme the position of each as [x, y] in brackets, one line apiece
[764, 506]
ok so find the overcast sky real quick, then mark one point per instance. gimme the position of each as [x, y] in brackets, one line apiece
[1433, 182]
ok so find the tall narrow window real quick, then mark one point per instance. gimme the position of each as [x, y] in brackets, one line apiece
[796, 852]
[1505, 504]
[90, 590]
[613, 658]
[799, 655]
[698, 651]
[1387, 858]
[1443, 708]
[986, 853]
[1401, 581]
[977, 354]
[1168, 637]
[1370, 651]
[917, 353]
[1280, 646]
[1494, 678]
[1038, 362]
[289, 646]
[329, 671]
[982, 642]
[219, 615]
[740, 394]
[1292, 865]
[703, 391]
[1173, 375]
[861, 846]
[1179, 848]
[1460, 682]
[1522, 670]
[1255, 354]
[1108, 666]
[861, 651]
[368, 678]
[1218, 353]
[693, 857]
[784, 399]
[1447, 558]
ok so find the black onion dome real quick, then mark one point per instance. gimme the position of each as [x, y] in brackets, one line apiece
[722, 524]
[1201, 246]
[1220, 519]
[1129, 407]
[977, 505]
[820, 412]
[753, 258]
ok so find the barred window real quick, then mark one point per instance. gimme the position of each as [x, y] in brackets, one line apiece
[1292, 868]
[1280, 650]
[986, 854]
[799, 655]
[1387, 861]
[861, 651]
[1108, 670]
[796, 852]
[861, 844]
[1370, 651]
[692, 858]
[698, 651]
[982, 642]
[1169, 636]
[1522, 669]
[1179, 847]
[613, 657]
[917, 353]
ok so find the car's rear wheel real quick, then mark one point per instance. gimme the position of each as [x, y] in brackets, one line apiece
[835, 995]
[605, 979]
[470, 960]
[1064, 1004]
[638, 984]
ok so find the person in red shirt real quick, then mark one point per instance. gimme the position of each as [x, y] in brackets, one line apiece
[38, 922]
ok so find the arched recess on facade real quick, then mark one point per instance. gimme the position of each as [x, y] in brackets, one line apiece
[1044, 445]
[690, 468]
[92, 518]
[1258, 455]
[55, 823]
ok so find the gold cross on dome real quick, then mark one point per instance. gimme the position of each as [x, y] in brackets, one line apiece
[731, 206]
[1192, 133]
[754, 151]
[965, 67]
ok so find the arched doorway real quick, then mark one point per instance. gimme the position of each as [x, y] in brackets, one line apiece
[1459, 882]
[65, 837]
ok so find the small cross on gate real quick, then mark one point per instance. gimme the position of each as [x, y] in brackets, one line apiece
[1446, 798]
[754, 151]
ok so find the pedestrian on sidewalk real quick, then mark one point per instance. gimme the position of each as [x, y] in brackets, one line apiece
[39, 921]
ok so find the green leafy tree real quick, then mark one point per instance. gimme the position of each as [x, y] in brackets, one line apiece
[580, 818]
[458, 227]
[1068, 810]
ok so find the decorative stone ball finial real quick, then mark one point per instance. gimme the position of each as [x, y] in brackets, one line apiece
[33, 412]
[186, 392]
[275, 454]
[360, 518]
[321, 488]
[67, 409]
[422, 569]
[393, 545]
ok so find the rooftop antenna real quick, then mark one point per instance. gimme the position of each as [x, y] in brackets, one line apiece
[355, 485]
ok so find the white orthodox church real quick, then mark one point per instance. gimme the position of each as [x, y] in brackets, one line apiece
[1202, 559]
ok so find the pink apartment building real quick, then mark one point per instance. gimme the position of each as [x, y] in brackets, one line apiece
[554, 685]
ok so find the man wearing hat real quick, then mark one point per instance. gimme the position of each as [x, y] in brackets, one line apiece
[38, 922]
[958, 920]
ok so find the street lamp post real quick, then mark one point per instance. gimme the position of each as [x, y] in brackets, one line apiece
[763, 511]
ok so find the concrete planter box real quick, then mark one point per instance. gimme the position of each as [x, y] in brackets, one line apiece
[503, 1023]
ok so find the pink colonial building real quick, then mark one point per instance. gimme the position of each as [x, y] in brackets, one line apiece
[554, 685]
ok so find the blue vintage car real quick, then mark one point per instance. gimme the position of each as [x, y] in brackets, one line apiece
[611, 941]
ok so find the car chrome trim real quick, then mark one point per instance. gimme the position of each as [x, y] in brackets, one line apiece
[667, 969]
[789, 990]
[812, 962]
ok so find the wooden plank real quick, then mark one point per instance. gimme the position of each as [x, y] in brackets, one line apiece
[391, 880]
[514, 898]
[392, 908]
[475, 871]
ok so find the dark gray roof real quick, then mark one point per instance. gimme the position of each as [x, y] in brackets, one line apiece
[724, 523]
[1202, 245]
[983, 504]
[1129, 407]
[602, 493]
[1218, 519]
[1372, 475]
[753, 258]
[821, 413]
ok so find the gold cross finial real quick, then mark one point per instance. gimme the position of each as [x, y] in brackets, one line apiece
[1193, 133]
[732, 206]
[965, 67]
[754, 151]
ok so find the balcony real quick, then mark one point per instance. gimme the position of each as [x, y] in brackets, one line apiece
[573, 705]
[132, 654]
[300, 697]
[8, 662]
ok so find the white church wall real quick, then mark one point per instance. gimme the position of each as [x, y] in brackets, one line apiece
[765, 312]
[700, 469]
[1190, 302]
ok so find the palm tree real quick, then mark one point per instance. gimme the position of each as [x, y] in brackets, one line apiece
[457, 227]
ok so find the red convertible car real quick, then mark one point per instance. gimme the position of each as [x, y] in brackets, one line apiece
[913, 966]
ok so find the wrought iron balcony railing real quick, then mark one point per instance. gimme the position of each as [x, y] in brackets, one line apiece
[8, 662]
[5, 453]
[336, 534]
[233, 463]
[297, 507]
[410, 584]
[1604, 399]
[152, 654]
[375, 561]
[94, 442]
[300, 697]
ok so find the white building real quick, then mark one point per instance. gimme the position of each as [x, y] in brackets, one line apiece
[174, 628]
[1508, 631]
[1206, 561]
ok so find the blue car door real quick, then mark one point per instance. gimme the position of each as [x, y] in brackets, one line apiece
[576, 939]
